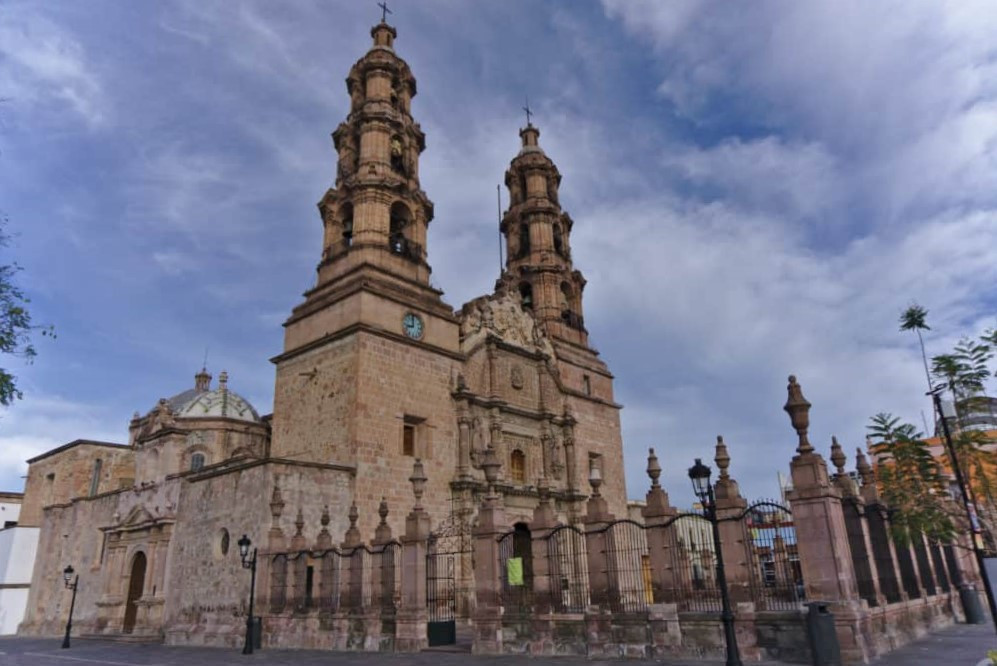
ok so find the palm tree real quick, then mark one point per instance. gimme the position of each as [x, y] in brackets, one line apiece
[914, 318]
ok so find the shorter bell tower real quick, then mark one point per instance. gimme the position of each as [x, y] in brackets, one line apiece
[538, 240]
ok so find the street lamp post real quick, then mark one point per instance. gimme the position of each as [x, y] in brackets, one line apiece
[71, 583]
[964, 493]
[699, 474]
[248, 563]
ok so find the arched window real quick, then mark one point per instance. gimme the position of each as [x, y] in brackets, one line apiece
[558, 240]
[399, 219]
[196, 462]
[347, 215]
[397, 155]
[565, 297]
[517, 466]
[526, 295]
[524, 240]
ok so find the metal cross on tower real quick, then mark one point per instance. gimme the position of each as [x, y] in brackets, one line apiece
[384, 11]
[529, 113]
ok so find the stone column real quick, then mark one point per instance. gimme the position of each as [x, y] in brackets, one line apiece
[325, 586]
[857, 527]
[543, 523]
[380, 617]
[300, 566]
[822, 540]
[491, 525]
[604, 588]
[735, 540]
[410, 623]
[276, 543]
[663, 613]
[352, 563]
[657, 513]
[881, 545]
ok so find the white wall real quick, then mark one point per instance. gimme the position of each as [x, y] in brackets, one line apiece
[9, 511]
[17, 560]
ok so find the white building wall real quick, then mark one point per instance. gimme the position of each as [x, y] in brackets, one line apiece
[9, 511]
[18, 546]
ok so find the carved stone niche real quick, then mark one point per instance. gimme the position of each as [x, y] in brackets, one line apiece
[516, 377]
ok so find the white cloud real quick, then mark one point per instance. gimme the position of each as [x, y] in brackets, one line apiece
[42, 422]
[46, 70]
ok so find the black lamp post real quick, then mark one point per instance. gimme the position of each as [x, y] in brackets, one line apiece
[699, 474]
[964, 492]
[248, 563]
[71, 584]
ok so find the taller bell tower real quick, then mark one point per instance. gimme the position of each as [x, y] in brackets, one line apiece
[377, 214]
[364, 381]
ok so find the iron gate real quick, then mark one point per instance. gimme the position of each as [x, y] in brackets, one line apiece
[444, 559]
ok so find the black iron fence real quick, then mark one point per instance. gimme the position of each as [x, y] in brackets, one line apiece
[336, 579]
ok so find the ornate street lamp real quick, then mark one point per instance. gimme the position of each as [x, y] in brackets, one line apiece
[699, 474]
[71, 583]
[248, 563]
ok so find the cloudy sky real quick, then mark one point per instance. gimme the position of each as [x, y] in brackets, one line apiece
[758, 189]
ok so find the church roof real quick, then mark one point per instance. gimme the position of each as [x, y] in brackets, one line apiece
[220, 402]
[204, 402]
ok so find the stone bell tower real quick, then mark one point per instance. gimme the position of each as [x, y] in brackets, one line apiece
[377, 214]
[364, 380]
[538, 234]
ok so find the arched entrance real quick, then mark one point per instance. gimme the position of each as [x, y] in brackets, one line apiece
[136, 583]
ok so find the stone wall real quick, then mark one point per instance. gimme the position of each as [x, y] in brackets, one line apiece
[207, 601]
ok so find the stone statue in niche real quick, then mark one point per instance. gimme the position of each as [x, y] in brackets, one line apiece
[516, 376]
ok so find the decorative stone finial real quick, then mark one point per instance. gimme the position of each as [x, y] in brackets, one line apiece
[722, 458]
[382, 511]
[595, 480]
[276, 504]
[837, 456]
[382, 533]
[324, 520]
[223, 381]
[863, 467]
[353, 515]
[418, 481]
[299, 523]
[491, 467]
[653, 468]
[798, 409]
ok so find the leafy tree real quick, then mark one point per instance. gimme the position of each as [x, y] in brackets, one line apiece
[910, 480]
[915, 318]
[16, 326]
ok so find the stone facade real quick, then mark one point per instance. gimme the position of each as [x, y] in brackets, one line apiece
[377, 373]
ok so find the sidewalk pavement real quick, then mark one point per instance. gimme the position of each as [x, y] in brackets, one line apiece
[961, 645]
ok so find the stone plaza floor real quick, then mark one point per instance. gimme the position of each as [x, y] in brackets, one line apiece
[961, 645]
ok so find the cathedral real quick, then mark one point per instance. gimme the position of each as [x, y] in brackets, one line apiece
[377, 372]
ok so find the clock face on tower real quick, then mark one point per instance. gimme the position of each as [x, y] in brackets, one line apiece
[412, 324]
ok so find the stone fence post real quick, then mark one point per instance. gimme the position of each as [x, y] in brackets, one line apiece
[543, 523]
[657, 513]
[411, 620]
[822, 540]
[492, 524]
[735, 539]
